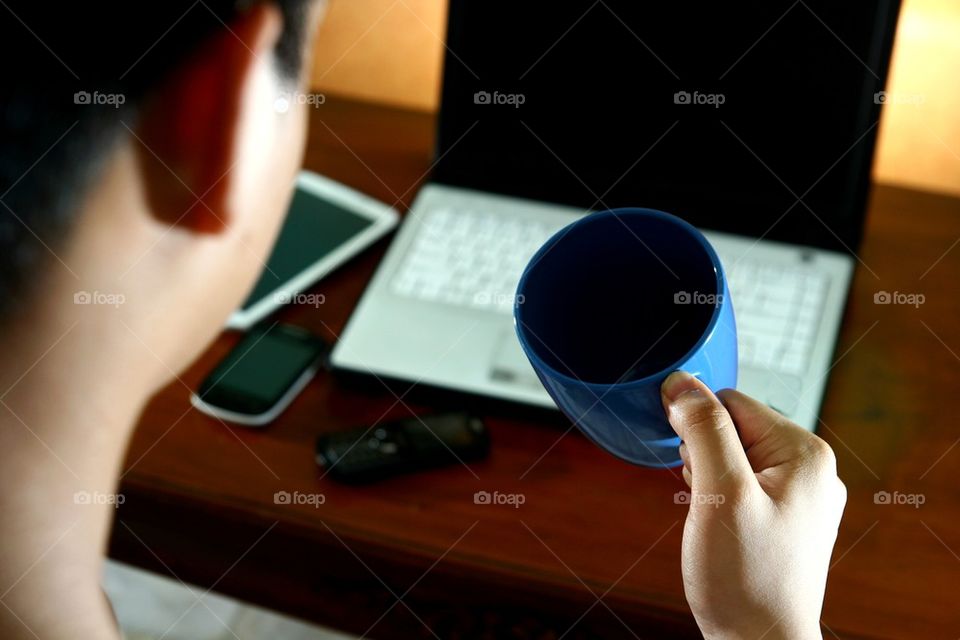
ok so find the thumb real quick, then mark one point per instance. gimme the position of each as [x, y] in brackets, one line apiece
[714, 449]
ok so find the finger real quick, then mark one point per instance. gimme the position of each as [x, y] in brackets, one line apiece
[684, 455]
[705, 426]
[770, 439]
[685, 458]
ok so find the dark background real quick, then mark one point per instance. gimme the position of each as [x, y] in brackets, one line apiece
[598, 83]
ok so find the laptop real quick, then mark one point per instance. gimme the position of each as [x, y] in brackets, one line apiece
[755, 122]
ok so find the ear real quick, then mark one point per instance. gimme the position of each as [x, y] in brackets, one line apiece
[188, 134]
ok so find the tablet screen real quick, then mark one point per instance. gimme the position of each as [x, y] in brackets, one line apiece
[314, 227]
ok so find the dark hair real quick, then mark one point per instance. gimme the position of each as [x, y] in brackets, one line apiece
[75, 72]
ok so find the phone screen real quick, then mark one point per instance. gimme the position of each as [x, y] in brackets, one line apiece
[260, 369]
[314, 227]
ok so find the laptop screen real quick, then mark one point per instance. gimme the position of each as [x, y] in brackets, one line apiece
[756, 117]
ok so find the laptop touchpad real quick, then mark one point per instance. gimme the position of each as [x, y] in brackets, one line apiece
[510, 365]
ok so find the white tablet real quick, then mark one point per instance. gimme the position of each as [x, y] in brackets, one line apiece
[327, 224]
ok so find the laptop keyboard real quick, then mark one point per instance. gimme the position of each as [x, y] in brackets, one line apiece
[466, 258]
[777, 310]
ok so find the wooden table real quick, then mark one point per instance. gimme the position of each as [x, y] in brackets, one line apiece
[596, 544]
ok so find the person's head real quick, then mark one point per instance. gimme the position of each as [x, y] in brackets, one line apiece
[144, 163]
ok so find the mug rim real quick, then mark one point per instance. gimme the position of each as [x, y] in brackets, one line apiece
[591, 218]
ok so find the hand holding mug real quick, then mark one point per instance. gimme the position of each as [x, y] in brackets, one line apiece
[765, 505]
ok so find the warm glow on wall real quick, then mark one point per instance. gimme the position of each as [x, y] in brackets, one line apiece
[920, 132]
[382, 50]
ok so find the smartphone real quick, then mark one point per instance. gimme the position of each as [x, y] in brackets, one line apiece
[327, 224]
[261, 376]
[363, 454]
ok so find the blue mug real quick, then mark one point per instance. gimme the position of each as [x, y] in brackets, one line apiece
[608, 308]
